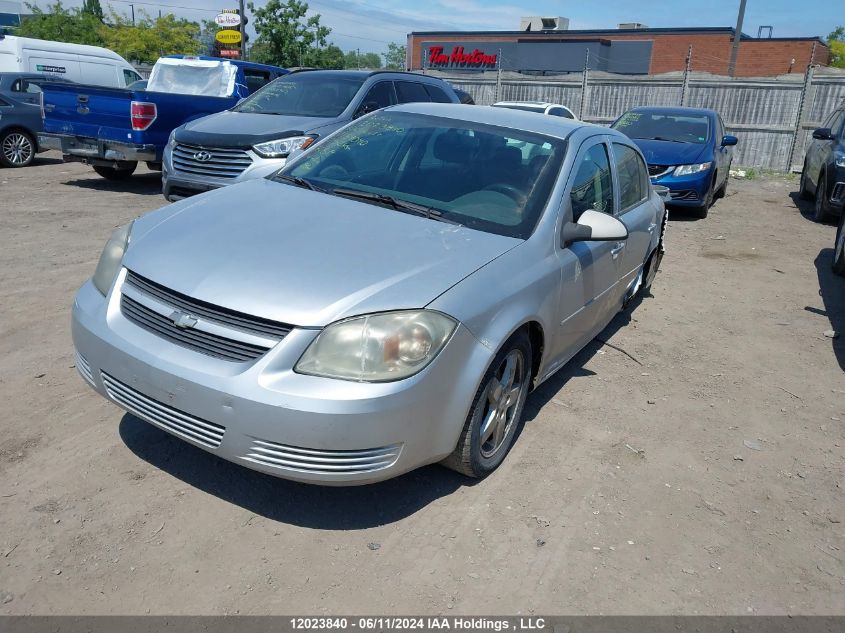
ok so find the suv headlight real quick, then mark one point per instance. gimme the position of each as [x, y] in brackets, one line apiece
[840, 160]
[282, 147]
[111, 258]
[378, 347]
[687, 170]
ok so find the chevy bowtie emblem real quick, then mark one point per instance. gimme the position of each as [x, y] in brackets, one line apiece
[182, 320]
[203, 156]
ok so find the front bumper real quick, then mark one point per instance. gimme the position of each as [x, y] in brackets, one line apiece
[686, 191]
[178, 183]
[96, 151]
[263, 415]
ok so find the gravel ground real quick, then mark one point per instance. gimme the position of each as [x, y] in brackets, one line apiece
[691, 465]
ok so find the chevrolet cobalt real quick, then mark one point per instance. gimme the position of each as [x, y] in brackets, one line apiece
[387, 300]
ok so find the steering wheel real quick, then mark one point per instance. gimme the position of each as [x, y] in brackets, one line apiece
[509, 190]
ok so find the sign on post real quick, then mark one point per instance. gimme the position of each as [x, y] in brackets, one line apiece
[228, 37]
[228, 19]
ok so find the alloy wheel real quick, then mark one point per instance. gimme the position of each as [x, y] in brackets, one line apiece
[17, 148]
[503, 395]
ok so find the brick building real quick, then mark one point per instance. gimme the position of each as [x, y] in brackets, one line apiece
[637, 50]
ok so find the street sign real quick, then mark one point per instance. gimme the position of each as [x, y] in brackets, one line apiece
[229, 52]
[228, 37]
[228, 19]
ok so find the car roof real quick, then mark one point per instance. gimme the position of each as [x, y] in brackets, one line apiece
[674, 110]
[505, 117]
[538, 104]
[365, 74]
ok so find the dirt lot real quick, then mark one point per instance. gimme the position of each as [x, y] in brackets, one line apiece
[704, 477]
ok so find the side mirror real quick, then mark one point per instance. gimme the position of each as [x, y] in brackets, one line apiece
[822, 134]
[366, 108]
[729, 140]
[593, 226]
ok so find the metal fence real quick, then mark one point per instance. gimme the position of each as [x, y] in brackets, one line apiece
[772, 117]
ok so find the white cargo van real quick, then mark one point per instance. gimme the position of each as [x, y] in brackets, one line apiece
[75, 62]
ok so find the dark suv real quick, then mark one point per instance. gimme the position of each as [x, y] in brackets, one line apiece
[256, 137]
[823, 175]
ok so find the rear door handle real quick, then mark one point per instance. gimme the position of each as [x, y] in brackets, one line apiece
[617, 249]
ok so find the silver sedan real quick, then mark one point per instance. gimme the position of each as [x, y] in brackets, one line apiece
[385, 301]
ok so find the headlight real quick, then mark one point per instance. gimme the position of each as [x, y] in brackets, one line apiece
[171, 140]
[686, 170]
[378, 347]
[283, 147]
[111, 258]
[840, 160]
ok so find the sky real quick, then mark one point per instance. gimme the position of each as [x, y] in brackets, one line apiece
[370, 25]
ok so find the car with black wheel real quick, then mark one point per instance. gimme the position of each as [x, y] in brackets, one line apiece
[19, 126]
[823, 173]
[839, 248]
[687, 149]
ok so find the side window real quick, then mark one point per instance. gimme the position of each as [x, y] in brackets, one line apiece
[561, 112]
[17, 85]
[720, 129]
[32, 88]
[436, 94]
[410, 92]
[836, 125]
[593, 187]
[255, 79]
[130, 76]
[632, 174]
[381, 95]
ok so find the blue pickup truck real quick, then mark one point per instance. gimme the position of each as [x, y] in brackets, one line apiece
[113, 129]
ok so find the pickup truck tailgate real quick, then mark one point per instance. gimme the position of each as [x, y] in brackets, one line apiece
[88, 111]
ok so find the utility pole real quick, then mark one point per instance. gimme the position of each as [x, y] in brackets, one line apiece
[242, 28]
[737, 35]
[584, 86]
[358, 58]
[499, 75]
[685, 85]
[132, 6]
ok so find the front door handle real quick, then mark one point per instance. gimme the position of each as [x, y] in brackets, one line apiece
[617, 249]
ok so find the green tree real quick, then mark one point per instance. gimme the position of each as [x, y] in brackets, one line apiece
[394, 58]
[208, 29]
[836, 41]
[286, 37]
[148, 39]
[353, 59]
[62, 24]
[94, 8]
[328, 57]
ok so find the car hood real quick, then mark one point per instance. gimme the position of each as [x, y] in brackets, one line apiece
[303, 257]
[241, 129]
[669, 153]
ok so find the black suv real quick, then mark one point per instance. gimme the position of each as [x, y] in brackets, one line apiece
[823, 175]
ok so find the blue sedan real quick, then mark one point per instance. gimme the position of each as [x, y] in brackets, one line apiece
[687, 151]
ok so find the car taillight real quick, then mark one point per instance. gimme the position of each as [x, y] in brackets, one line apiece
[142, 115]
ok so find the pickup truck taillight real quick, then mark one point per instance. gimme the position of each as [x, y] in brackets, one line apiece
[142, 115]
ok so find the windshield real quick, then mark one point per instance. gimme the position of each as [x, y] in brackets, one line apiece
[680, 128]
[303, 94]
[488, 178]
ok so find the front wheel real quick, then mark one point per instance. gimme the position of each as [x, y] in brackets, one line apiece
[115, 173]
[496, 411]
[839, 247]
[17, 149]
[820, 211]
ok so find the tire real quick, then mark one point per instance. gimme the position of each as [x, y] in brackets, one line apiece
[803, 192]
[111, 173]
[701, 212]
[820, 211]
[839, 248]
[17, 148]
[493, 412]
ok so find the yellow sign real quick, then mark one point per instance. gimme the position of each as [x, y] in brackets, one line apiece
[228, 36]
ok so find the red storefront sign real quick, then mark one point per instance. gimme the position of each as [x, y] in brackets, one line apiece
[436, 57]
[229, 52]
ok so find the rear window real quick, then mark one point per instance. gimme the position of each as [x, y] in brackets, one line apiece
[410, 92]
[303, 94]
[436, 94]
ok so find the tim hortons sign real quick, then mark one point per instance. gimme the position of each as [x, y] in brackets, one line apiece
[460, 57]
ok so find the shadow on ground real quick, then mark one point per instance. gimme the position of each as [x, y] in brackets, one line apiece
[144, 184]
[832, 292]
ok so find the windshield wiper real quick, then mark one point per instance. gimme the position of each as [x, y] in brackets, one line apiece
[397, 203]
[297, 181]
[660, 138]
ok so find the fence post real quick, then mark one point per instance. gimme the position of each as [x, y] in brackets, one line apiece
[585, 100]
[685, 85]
[498, 75]
[800, 118]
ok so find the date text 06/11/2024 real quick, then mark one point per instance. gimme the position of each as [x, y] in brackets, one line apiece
[399, 623]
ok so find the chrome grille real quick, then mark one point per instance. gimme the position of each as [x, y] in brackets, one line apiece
[659, 170]
[322, 461]
[172, 420]
[83, 367]
[220, 163]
